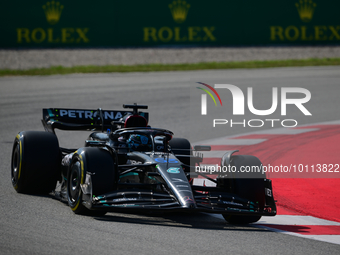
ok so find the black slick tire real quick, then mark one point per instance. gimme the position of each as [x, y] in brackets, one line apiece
[35, 166]
[248, 186]
[100, 164]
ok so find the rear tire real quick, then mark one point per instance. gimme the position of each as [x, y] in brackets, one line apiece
[35, 164]
[101, 165]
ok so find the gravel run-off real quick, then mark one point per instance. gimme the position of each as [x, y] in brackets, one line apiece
[40, 58]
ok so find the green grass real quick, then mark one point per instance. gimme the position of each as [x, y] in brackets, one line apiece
[171, 67]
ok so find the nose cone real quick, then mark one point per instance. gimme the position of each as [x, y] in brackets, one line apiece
[192, 206]
[189, 202]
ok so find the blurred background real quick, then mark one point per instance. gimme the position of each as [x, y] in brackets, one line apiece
[68, 33]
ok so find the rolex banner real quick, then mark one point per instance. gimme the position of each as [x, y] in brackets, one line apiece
[55, 24]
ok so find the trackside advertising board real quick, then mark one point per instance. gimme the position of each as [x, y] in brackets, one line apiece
[57, 24]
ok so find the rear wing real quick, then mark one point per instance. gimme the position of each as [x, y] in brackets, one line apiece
[82, 119]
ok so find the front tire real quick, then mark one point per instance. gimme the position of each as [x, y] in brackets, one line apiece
[100, 164]
[248, 185]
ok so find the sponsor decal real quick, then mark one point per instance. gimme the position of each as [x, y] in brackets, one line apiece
[160, 147]
[162, 160]
[231, 203]
[179, 10]
[188, 199]
[268, 192]
[122, 205]
[305, 9]
[135, 162]
[85, 114]
[52, 35]
[144, 139]
[53, 11]
[305, 32]
[173, 170]
[124, 199]
[178, 180]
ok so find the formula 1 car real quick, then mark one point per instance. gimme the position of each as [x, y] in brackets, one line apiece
[126, 165]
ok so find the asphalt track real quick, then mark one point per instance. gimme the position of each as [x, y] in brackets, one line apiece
[42, 225]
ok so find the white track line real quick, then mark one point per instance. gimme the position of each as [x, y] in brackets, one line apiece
[334, 239]
[285, 131]
[213, 154]
[296, 220]
[226, 141]
[273, 131]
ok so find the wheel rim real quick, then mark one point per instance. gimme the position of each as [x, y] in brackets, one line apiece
[74, 183]
[15, 164]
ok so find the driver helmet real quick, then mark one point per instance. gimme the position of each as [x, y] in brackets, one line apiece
[138, 142]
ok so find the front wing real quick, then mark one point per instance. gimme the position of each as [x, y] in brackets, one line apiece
[139, 197]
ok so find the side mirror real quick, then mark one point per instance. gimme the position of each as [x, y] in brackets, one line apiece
[202, 148]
